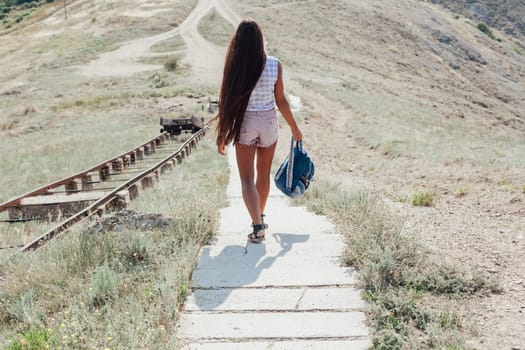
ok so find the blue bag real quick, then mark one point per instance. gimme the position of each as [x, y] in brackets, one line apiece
[295, 172]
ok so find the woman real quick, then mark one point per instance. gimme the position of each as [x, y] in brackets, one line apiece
[251, 88]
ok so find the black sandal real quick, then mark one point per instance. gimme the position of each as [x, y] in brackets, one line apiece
[256, 236]
[262, 221]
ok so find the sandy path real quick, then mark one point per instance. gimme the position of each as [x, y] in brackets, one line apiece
[205, 58]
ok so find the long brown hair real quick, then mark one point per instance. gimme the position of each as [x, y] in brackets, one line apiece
[245, 59]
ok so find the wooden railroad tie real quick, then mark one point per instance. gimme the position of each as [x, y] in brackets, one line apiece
[52, 207]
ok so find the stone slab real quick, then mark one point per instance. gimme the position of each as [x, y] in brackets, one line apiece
[260, 325]
[235, 220]
[285, 345]
[274, 236]
[332, 298]
[278, 275]
[278, 299]
[327, 254]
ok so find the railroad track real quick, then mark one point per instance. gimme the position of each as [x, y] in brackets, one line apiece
[107, 186]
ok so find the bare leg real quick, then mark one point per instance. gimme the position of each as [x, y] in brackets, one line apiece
[245, 163]
[264, 165]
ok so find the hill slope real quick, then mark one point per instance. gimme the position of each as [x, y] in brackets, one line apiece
[506, 15]
[399, 97]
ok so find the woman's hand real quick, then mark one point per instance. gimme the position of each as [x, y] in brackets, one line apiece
[296, 133]
[221, 148]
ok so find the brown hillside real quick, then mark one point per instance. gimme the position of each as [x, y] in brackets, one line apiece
[506, 15]
[399, 97]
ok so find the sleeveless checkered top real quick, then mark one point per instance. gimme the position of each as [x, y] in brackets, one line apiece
[262, 97]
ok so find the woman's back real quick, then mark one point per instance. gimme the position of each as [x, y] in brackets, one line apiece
[262, 97]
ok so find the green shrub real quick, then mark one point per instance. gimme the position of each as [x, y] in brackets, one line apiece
[460, 191]
[23, 308]
[396, 309]
[481, 103]
[485, 29]
[137, 252]
[424, 199]
[103, 285]
[449, 320]
[34, 339]
[387, 340]
[443, 278]
[504, 182]
[171, 64]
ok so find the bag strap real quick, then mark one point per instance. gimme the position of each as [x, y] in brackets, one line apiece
[289, 170]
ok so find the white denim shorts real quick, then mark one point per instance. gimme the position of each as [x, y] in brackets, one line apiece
[259, 128]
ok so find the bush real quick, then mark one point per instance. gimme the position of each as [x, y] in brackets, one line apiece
[485, 29]
[443, 278]
[460, 191]
[387, 340]
[34, 339]
[104, 285]
[481, 103]
[171, 64]
[424, 199]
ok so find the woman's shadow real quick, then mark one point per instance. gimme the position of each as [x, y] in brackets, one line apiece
[234, 267]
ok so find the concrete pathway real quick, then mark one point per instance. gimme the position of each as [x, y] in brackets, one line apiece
[289, 292]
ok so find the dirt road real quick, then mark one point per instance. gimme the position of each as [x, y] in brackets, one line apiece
[205, 58]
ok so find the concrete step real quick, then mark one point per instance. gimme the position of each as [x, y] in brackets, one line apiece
[300, 254]
[235, 220]
[272, 325]
[284, 345]
[276, 299]
[278, 275]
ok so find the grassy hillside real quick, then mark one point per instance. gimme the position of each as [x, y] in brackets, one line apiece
[407, 99]
[505, 15]
[22, 8]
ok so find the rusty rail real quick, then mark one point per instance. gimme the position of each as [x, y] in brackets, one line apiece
[99, 205]
[46, 188]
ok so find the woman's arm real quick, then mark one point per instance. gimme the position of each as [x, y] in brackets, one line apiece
[284, 107]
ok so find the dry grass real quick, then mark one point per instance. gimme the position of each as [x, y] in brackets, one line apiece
[396, 271]
[173, 44]
[118, 288]
[379, 87]
[112, 289]
[216, 29]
